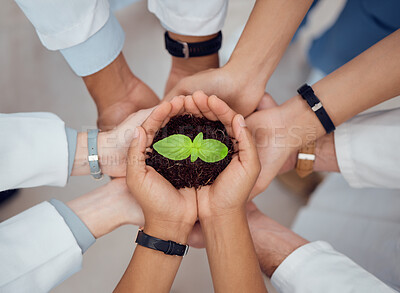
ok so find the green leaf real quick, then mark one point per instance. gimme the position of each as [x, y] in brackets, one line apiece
[194, 155]
[212, 150]
[179, 147]
[174, 147]
[198, 140]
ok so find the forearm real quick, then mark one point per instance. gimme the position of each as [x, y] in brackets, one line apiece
[102, 211]
[325, 154]
[118, 93]
[366, 81]
[81, 163]
[233, 262]
[268, 32]
[111, 84]
[182, 67]
[151, 270]
[111, 159]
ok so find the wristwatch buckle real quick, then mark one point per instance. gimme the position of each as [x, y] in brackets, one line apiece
[186, 251]
[185, 49]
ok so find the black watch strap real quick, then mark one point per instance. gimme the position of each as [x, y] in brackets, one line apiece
[186, 50]
[168, 247]
[307, 94]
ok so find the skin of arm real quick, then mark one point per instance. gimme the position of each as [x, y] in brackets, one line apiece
[273, 242]
[107, 208]
[169, 213]
[117, 93]
[367, 80]
[241, 82]
[112, 145]
[221, 206]
[181, 67]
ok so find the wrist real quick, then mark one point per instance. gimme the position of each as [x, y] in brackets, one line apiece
[174, 231]
[189, 66]
[97, 209]
[109, 156]
[81, 163]
[325, 154]
[111, 84]
[274, 249]
[245, 74]
[221, 219]
[273, 243]
[301, 123]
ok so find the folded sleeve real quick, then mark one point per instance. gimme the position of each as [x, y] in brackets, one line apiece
[37, 251]
[367, 149]
[194, 18]
[61, 24]
[81, 232]
[97, 51]
[316, 267]
[34, 150]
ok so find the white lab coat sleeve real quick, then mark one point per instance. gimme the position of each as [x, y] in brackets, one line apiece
[61, 24]
[37, 251]
[367, 149]
[316, 267]
[194, 18]
[34, 150]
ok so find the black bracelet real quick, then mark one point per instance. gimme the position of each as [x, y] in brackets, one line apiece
[168, 247]
[186, 50]
[307, 94]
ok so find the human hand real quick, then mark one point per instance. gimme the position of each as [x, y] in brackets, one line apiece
[169, 213]
[117, 93]
[268, 127]
[272, 241]
[112, 147]
[183, 67]
[229, 192]
[107, 208]
[228, 84]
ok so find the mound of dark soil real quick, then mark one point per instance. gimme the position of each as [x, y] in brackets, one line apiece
[184, 173]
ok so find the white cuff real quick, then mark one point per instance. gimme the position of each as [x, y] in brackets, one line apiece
[193, 18]
[316, 267]
[98, 51]
[284, 277]
[344, 157]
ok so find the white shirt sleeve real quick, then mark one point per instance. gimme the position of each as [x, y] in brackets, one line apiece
[194, 18]
[316, 267]
[367, 149]
[37, 251]
[61, 24]
[34, 150]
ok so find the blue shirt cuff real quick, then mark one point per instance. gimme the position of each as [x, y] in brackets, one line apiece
[98, 51]
[72, 137]
[82, 234]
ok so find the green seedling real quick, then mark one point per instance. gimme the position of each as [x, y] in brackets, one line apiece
[179, 147]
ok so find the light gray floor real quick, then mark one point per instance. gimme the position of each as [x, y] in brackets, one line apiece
[34, 79]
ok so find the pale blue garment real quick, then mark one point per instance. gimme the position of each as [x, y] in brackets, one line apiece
[100, 49]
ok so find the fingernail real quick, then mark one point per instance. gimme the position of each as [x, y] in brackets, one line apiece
[241, 121]
[135, 133]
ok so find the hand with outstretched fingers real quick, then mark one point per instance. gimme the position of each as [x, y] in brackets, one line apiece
[229, 193]
[166, 210]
